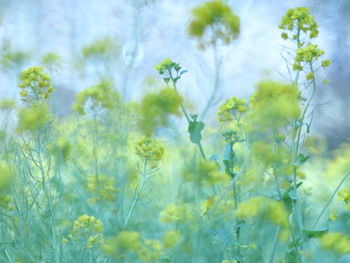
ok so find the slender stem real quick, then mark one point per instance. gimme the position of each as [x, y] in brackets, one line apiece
[217, 66]
[331, 198]
[94, 149]
[137, 196]
[187, 116]
[273, 252]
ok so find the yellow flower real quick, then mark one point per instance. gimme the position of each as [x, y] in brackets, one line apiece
[97, 98]
[124, 242]
[206, 172]
[171, 239]
[229, 110]
[212, 21]
[35, 85]
[337, 242]
[156, 108]
[267, 208]
[150, 251]
[176, 213]
[299, 20]
[274, 104]
[88, 229]
[149, 149]
[103, 186]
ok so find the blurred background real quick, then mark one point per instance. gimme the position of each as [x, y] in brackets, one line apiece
[125, 39]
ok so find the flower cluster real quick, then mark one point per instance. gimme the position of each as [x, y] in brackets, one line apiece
[149, 149]
[308, 55]
[155, 109]
[230, 108]
[176, 213]
[267, 208]
[218, 18]
[125, 242]
[269, 154]
[129, 243]
[151, 250]
[335, 241]
[35, 85]
[219, 207]
[87, 229]
[96, 98]
[206, 172]
[171, 239]
[169, 70]
[298, 20]
[295, 22]
[102, 187]
[275, 104]
[345, 196]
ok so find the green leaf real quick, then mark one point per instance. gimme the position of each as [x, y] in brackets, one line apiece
[229, 160]
[315, 233]
[301, 159]
[183, 72]
[195, 128]
[291, 256]
[296, 243]
[288, 197]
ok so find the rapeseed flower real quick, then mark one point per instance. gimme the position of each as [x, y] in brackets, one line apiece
[213, 21]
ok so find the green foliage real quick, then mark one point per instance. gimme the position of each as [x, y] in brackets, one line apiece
[12, 59]
[6, 176]
[195, 128]
[32, 118]
[7, 104]
[108, 184]
[51, 61]
[101, 48]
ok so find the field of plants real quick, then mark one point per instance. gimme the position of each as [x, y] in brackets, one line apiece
[157, 180]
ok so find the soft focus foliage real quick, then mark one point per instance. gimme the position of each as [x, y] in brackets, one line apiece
[96, 98]
[151, 180]
[156, 108]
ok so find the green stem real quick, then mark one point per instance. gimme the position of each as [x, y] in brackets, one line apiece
[200, 146]
[137, 196]
[273, 252]
[330, 199]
